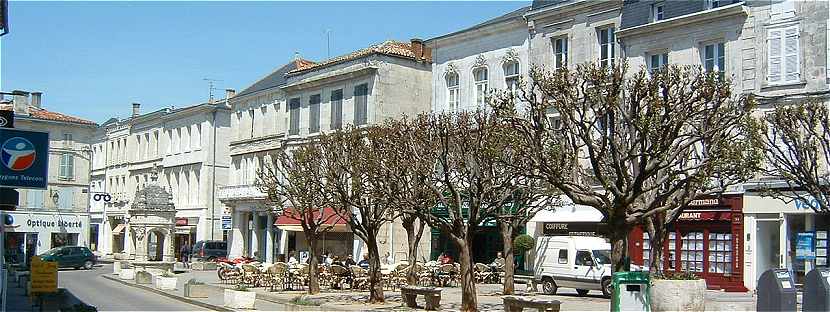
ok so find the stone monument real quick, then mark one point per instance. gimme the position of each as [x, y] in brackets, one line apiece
[152, 222]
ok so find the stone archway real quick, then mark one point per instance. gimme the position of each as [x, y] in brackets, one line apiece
[157, 241]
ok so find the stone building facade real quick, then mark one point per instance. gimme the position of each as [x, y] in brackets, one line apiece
[59, 215]
[186, 146]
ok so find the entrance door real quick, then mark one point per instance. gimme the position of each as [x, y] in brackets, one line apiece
[767, 251]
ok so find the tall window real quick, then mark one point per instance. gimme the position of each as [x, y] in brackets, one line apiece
[452, 91]
[783, 62]
[67, 166]
[560, 52]
[714, 57]
[657, 12]
[294, 116]
[361, 93]
[720, 253]
[656, 61]
[67, 137]
[511, 76]
[606, 46]
[480, 75]
[337, 109]
[66, 197]
[314, 113]
[691, 252]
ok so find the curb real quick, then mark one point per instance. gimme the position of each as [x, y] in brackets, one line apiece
[172, 296]
[273, 299]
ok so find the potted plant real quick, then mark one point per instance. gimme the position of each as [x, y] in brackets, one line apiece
[166, 281]
[239, 298]
[677, 292]
[195, 289]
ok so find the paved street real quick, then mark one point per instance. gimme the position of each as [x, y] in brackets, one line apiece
[106, 295]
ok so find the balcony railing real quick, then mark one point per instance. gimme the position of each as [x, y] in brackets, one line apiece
[240, 192]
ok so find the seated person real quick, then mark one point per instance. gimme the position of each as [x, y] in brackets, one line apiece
[444, 258]
[349, 261]
[498, 262]
[364, 263]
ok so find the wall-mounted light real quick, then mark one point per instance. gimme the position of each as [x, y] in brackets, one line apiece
[55, 197]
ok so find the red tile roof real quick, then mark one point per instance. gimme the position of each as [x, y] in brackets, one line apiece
[41, 113]
[389, 47]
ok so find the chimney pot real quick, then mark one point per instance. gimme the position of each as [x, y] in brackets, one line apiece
[20, 100]
[229, 93]
[417, 47]
[136, 109]
[36, 99]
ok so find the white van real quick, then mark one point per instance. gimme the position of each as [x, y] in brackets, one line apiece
[579, 262]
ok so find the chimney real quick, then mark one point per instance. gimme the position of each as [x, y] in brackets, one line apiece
[229, 93]
[136, 109]
[417, 47]
[21, 102]
[297, 55]
[36, 98]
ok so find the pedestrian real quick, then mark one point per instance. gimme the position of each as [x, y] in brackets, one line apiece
[185, 254]
[349, 261]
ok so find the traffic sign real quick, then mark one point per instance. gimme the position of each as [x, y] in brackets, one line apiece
[24, 158]
[44, 276]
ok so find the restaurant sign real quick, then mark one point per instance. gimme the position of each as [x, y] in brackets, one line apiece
[705, 216]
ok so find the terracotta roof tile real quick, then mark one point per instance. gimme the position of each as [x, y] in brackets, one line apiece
[389, 47]
[41, 113]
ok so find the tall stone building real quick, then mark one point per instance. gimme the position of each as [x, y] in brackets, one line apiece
[57, 216]
[186, 147]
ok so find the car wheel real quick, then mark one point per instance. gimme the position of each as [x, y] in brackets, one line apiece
[582, 292]
[607, 288]
[88, 265]
[549, 286]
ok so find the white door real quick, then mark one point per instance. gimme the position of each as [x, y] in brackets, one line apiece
[767, 250]
[584, 273]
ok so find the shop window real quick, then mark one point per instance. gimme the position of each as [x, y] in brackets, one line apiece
[646, 251]
[672, 250]
[563, 256]
[720, 253]
[691, 252]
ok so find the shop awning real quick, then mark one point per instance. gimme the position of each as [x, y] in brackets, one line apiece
[118, 228]
[289, 220]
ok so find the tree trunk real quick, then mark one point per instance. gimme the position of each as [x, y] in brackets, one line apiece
[618, 233]
[375, 285]
[507, 241]
[469, 301]
[413, 238]
[657, 238]
[313, 281]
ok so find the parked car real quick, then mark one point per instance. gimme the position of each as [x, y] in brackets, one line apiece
[579, 262]
[71, 257]
[209, 250]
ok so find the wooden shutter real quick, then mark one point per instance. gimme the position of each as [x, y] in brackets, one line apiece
[791, 59]
[774, 55]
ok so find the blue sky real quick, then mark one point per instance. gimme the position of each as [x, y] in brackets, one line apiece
[92, 59]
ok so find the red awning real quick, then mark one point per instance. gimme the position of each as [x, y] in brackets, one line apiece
[288, 220]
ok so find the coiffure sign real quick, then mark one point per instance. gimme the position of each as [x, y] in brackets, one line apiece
[64, 223]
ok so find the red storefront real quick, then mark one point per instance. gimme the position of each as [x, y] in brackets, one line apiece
[706, 239]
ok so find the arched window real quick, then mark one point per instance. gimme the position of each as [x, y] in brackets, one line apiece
[480, 75]
[511, 75]
[452, 91]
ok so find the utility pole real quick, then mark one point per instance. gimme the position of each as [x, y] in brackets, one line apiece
[211, 87]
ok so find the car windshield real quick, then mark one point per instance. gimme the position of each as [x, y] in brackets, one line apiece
[602, 256]
[52, 252]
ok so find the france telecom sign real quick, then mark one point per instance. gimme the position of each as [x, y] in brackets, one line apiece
[24, 158]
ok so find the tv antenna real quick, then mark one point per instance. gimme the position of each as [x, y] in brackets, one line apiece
[211, 87]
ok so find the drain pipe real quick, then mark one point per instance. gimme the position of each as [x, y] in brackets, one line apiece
[213, 183]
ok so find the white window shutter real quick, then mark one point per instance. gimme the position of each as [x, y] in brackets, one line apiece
[774, 55]
[791, 51]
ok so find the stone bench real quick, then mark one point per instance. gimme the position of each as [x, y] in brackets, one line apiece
[517, 304]
[432, 296]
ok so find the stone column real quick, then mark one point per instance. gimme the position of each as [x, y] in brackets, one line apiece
[105, 238]
[269, 239]
[256, 237]
[128, 251]
[169, 255]
[284, 243]
[237, 239]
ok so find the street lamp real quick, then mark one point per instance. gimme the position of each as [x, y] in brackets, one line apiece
[55, 197]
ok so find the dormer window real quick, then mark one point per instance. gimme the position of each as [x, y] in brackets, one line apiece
[657, 12]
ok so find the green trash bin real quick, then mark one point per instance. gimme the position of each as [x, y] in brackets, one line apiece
[631, 292]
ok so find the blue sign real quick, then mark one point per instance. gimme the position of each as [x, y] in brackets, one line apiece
[226, 222]
[25, 158]
[805, 247]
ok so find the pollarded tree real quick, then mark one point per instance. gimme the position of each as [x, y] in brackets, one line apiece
[468, 180]
[294, 185]
[356, 176]
[632, 146]
[797, 144]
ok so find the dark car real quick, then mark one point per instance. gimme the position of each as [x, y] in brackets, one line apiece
[209, 250]
[71, 257]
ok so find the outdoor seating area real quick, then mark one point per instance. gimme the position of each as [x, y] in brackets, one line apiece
[281, 276]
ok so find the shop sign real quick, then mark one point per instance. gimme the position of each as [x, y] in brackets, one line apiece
[181, 221]
[574, 228]
[705, 216]
[805, 246]
[226, 222]
[44, 276]
[62, 223]
[801, 204]
[705, 202]
[25, 158]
